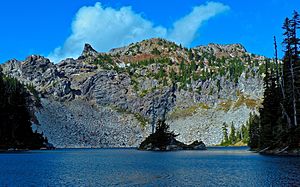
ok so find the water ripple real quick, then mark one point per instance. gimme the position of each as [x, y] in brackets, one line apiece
[129, 167]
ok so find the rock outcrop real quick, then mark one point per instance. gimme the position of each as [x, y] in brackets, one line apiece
[111, 99]
[88, 51]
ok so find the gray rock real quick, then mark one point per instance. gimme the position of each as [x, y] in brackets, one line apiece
[86, 105]
[88, 51]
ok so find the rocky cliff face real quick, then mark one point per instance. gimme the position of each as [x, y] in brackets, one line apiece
[111, 99]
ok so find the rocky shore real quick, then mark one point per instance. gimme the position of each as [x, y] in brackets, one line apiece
[285, 151]
[173, 146]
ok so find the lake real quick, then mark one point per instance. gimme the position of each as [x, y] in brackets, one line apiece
[218, 166]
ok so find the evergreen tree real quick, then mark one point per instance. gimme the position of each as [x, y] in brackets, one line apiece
[295, 60]
[232, 136]
[161, 73]
[191, 54]
[254, 131]
[193, 66]
[270, 113]
[279, 115]
[295, 42]
[238, 136]
[245, 133]
[173, 76]
[15, 126]
[288, 76]
[161, 137]
[225, 134]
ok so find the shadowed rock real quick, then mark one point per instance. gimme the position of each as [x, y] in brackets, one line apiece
[88, 51]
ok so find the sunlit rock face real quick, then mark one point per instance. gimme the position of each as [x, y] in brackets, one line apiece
[111, 99]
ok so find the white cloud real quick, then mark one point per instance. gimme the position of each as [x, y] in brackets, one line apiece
[106, 28]
[185, 29]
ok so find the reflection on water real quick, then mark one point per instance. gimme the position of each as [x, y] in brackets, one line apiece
[129, 167]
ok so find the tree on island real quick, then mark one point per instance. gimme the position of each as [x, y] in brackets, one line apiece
[163, 139]
[162, 136]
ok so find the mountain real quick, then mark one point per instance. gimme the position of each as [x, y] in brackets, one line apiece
[110, 99]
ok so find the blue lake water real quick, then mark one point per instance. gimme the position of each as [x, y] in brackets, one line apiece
[129, 167]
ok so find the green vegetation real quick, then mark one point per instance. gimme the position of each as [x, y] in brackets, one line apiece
[145, 63]
[225, 105]
[143, 121]
[236, 137]
[184, 71]
[204, 106]
[182, 113]
[144, 93]
[155, 51]
[135, 84]
[254, 133]
[236, 68]
[243, 100]
[15, 126]
[105, 61]
[277, 126]
[186, 112]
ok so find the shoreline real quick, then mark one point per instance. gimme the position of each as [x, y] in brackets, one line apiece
[273, 152]
[276, 152]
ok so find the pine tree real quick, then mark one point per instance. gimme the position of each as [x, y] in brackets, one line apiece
[295, 42]
[232, 136]
[288, 76]
[191, 54]
[173, 76]
[245, 133]
[254, 131]
[265, 111]
[225, 134]
[295, 60]
[238, 136]
[280, 113]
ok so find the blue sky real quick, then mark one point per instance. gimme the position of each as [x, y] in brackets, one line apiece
[59, 28]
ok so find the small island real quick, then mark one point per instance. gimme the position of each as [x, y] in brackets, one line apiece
[164, 140]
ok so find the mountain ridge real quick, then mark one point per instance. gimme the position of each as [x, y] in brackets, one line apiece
[125, 84]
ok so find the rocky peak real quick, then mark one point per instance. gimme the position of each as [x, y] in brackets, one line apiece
[11, 66]
[228, 47]
[12, 61]
[88, 51]
[153, 46]
[226, 50]
[37, 60]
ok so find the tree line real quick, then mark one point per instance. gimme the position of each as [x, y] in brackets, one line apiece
[278, 123]
[235, 136]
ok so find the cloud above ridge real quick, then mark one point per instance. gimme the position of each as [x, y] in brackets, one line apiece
[106, 28]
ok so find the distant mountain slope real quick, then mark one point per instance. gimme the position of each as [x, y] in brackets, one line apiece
[110, 99]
